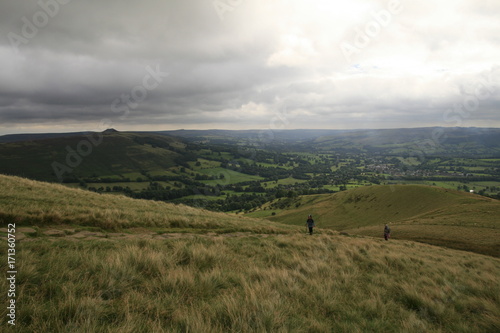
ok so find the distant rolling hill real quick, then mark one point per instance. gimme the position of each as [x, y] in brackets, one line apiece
[258, 137]
[429, 140]
[445, 141]
[441, 138]
[37, 136]
[108, 154]
[70, 156]
[416, 212]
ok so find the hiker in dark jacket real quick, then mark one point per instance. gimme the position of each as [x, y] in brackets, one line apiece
[310, 224]
[387, 232]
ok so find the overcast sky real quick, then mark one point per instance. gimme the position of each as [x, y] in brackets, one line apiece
[73, 65]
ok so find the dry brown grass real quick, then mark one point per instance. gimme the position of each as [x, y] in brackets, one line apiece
[284, 283]
[31, 203]
[288, 282]
[421, 213]
[475, 239]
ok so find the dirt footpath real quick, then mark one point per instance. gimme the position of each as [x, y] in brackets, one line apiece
[27, 234]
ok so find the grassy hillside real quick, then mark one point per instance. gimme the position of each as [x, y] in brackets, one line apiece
[273, 279]
[31, 203]
[425, 213]
[108, 154]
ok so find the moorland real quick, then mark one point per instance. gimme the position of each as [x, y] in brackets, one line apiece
[91, 262]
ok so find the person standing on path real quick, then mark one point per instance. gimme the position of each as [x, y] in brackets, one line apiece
[387, 232]
[310, 224]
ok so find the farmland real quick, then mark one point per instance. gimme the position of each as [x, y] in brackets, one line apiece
[238, 171]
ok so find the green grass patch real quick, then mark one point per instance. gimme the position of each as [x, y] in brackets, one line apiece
[229, 176]
[284, 181]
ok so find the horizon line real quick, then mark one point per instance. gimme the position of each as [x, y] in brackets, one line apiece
[249, 130]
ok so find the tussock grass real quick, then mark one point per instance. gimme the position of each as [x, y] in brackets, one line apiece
[415, 212]
[475, 239]
[283, 283]
[27, 202]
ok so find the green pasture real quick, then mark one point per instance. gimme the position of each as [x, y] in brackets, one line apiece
[230, 176]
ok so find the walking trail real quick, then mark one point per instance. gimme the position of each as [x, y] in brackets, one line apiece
[27, 234]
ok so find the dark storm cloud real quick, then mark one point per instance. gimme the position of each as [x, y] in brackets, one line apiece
[69, 62]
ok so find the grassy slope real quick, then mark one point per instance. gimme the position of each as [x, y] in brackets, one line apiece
[424, 213]
[264, 282]
[27, 202]
[283, 283]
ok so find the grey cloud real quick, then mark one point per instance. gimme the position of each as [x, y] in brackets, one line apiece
[92, 53]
